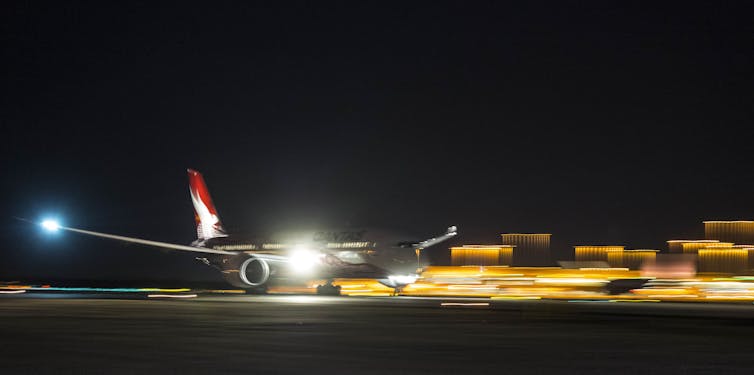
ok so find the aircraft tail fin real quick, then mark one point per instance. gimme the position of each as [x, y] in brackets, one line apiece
[208, 223]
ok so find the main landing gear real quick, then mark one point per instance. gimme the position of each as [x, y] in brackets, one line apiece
[257, 290]
[328, 289]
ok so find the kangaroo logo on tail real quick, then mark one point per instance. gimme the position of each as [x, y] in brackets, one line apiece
[208, 223]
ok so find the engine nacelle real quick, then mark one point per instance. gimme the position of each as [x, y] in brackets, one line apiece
[248, 272]
[254, 271]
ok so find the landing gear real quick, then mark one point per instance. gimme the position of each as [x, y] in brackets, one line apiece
[257, 290]
[328, 289]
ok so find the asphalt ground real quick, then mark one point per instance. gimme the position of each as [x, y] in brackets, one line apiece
[246, 334]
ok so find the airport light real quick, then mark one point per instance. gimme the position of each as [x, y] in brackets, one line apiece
[50, 225]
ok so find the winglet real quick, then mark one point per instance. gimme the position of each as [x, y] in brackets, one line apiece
[451, 232]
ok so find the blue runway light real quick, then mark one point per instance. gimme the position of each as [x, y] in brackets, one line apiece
[50, 225]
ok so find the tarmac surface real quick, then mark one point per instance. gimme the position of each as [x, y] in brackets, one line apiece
[247, 334]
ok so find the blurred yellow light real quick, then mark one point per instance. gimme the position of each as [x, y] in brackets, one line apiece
[465, 304]
[516, 297]
[585, 253]
[177, 290]
[481, 255]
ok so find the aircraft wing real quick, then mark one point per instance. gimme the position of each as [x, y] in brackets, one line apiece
[164, 245]
[450, 233]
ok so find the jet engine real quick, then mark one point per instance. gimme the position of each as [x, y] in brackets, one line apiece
[248, 272]
[254, 271]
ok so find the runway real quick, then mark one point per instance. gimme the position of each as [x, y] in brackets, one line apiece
[233, 334]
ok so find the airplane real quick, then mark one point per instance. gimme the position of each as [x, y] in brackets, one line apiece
[255, 263]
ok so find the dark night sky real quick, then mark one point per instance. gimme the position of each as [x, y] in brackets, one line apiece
[596, 121]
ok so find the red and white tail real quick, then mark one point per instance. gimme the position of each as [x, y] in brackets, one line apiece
[208, 223]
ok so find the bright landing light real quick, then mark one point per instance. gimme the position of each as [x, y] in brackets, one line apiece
[304, 260]
[50, 225]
